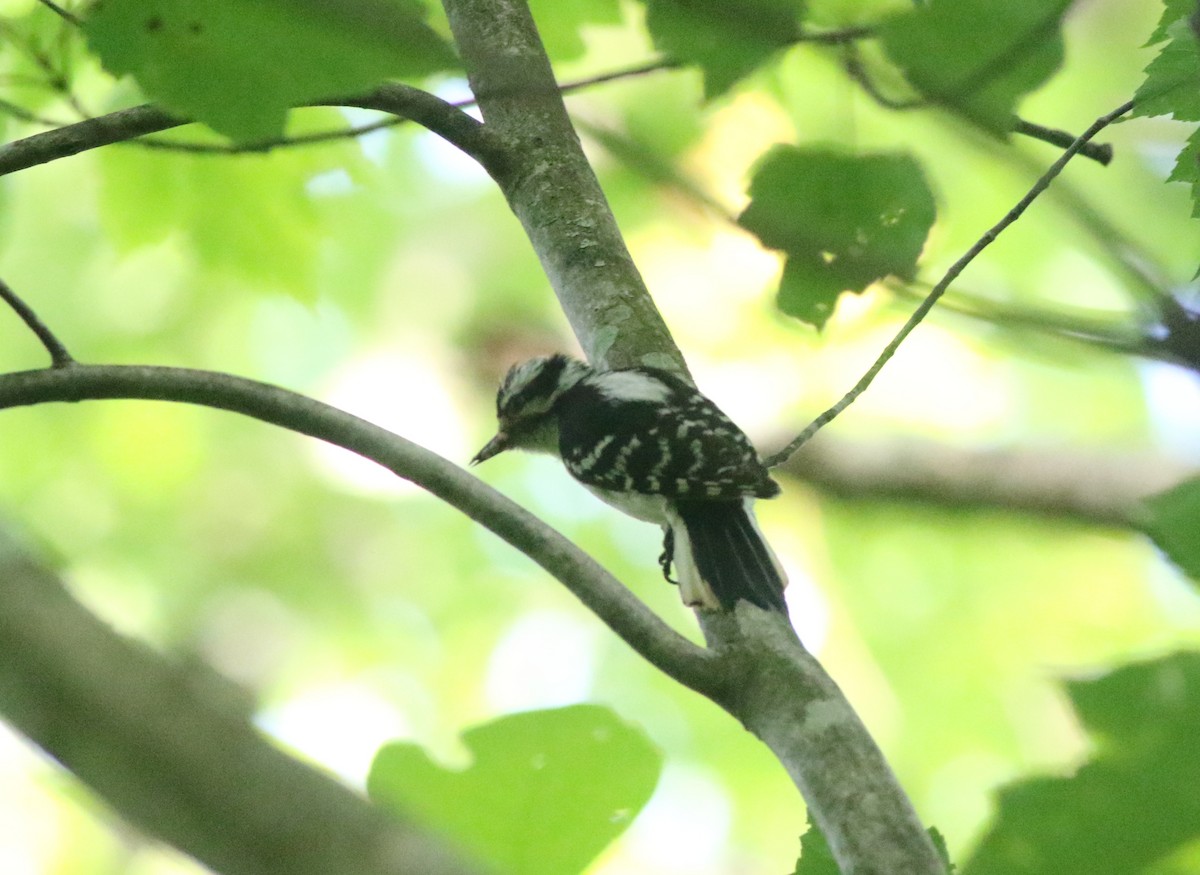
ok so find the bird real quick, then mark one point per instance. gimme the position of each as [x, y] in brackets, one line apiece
[646, 442]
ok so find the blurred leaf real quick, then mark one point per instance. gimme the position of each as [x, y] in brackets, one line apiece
[939, 843]
[1174, 525]
[238, 65]
[726, 40]
[1132, 803]
[546, 792]
[977, 57]
[560, 23]
[250, 217]
[844, 221]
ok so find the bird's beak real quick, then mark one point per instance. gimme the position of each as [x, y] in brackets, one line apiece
[495, 446]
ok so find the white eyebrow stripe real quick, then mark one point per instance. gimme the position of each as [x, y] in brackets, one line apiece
[631, 386]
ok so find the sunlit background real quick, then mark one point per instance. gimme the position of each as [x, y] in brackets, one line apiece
[387, 277]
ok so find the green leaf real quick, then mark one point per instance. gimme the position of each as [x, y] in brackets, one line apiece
[546, 792]
[939, 844]
[1172, 83]
[238, 65]
[844, 221]
[1174, 524]
[560, 23]
[977, 57]
[1132, 803]
[815, 856]
[726, 40]
[1187, 169]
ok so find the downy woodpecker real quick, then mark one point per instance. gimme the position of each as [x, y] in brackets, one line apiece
[649, 444]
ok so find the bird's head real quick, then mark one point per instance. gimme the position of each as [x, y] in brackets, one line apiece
[525, 404]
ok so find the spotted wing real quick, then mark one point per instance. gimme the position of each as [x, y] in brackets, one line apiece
[677, 444]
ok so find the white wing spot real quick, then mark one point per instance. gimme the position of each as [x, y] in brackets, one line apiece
[631, 386]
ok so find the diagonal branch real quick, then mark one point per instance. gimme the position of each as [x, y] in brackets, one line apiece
[602, 593]
[59, 356]
[944, 283]
[553, 190]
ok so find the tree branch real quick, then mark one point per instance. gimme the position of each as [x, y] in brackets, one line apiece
[1099, 487]
[168, 749]
[944, 283]
[552, 190]
[602, 593]
[59, 356]
[428, 110]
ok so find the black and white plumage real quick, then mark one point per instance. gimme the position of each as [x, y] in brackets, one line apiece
[652, 446]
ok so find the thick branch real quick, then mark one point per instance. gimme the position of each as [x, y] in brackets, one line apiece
[169, 750]
[784, 696]
[552, 189]
[591, 584]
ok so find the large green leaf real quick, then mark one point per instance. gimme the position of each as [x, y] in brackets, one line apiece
[546, 792]
[977, 57]
[238, 65]
[1174, 524]
[1133, 803]
[845, 221]
[726, 40]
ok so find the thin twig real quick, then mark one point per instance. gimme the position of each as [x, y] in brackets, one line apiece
[59, 357]
[65, 14]
[310, 139]
[853, 66]
[1099, 152]
[353, 132]
[833, 37]
[944, 283]
[21, 113]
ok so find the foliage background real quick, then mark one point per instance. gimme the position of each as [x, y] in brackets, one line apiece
[387, 276]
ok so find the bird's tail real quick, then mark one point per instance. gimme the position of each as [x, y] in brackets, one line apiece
[721, 556]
